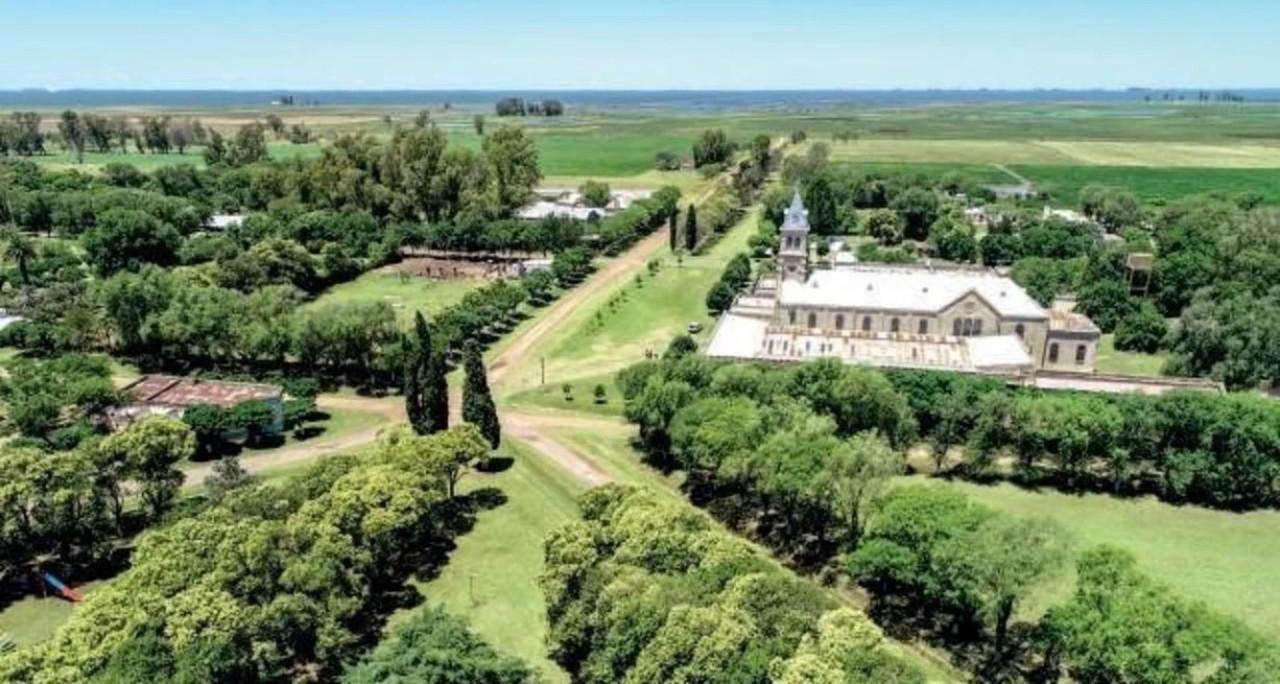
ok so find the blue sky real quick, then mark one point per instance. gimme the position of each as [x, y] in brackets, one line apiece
[743, 44]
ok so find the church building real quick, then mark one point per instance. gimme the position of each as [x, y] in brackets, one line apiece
[950, 318]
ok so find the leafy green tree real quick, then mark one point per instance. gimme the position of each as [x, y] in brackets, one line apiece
[1107, 302]
[477, 403]
[885, 226]
[256, 417]
[433, 647]
[820, 200]
[477, 122]
[595, 193]
[954, 238]
[249, 146]
[208, 423]
[712, 147]
[151, 447]
[19, 249]
[853, 479]
[719, 298]
[125, 239]
[513, 159]
[918, 208]
[680, 347]
[227, 475]
[1142, 331]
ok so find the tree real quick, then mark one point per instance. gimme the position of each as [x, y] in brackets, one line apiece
[1107, 302]
[719, 298]
[918, 208]
[477, 122]
[1143, 330]
[680, 347]
[433, 647]
[600, 394]
[256, 417]
[885, 225]
[854, 477]
[820, 200]
[477, 403]
[208, 423]
[249, 146]
[426, 390]
[666, 161]
[595, 193]
[151, 447]
[514, 160]
[227, 475]
[1003, 560]
[691, 228]
[712, 147]
[215, 152]
[510, 106]
[422, 119]
[19, 249]
[954, 238]
[125, 239]
[72, 130]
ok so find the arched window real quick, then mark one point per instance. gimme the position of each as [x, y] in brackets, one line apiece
[839, 321]
[866, 324]
[1053, 353]
[813, 320]
[893, 325]
[791, 316]
[955, 328]
[1020, 330]
[924, 327]
[1081, 352]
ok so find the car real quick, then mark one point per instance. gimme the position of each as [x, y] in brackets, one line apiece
[694, 328]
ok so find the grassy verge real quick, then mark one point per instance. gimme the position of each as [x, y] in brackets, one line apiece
[1127, 363]
[490, 579]
[551, 397]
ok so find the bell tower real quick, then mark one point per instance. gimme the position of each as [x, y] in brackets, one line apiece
[793, 252]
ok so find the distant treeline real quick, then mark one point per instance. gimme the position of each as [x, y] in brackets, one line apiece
[515, 106]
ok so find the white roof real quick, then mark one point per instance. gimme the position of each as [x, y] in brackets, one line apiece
[920, 290]
[997, 351]
[737, 337]
[540, 210]
[224, 221]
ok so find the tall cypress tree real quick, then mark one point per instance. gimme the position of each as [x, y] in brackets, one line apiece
[477, 402]
[691, 228]
[673, 230]
[426, 392]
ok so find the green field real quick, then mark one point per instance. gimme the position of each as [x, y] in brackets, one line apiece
[404, 295]
[1127, 363]
[94, 161]
[551, 397]
[1064, 183]
[1230, 560]
[34, 619]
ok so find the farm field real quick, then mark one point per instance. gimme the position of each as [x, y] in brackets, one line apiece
[1060, 153]
[1230, 560]
[1064, 183]
[404, 295]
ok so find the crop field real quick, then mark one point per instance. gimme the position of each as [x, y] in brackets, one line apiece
[1064, 183]
[1230, 560]
[93, 161]
[405, 295]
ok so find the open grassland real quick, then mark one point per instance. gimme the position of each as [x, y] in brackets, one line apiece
[405, 295]
[194, 156]
[1230, 560]
[1117, 362]
[491, 578]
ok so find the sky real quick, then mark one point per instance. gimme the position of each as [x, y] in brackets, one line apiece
[638, 44]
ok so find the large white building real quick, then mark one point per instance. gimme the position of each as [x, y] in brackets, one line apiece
[962, 319]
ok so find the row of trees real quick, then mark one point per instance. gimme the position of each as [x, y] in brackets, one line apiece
[275, 580]
[616, 233]
[736, 276]
[516, 106]
[79, 132]
[56, 404]
[804, 459]
[650, 591]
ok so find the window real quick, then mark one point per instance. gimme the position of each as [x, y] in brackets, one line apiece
[1053, 353]
[791, 316]
[1020, 330]
[955, 328]
[893, 325]
[839, 321]
[924, 327]
[771, 342]
[977, 326]
[806, 346]
[1081, 352]
[966, 327]
[866, 324]
[813, 320]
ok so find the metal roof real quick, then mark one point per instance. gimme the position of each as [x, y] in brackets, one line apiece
[918, 290]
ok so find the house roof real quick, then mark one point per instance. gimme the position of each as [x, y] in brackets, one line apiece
[994, 352]
[920, 290]
[170, 390]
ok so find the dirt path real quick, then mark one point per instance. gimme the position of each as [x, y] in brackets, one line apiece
[619, 269]
[528, 430]
[391, 408]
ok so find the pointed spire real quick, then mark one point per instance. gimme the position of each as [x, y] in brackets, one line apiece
[797, 204]
[796, 217]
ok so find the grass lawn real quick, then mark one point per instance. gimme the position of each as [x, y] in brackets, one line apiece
[34, 619]
[340, 423]
[551, 397]
[1230, 560]
[1127, 363]
[406, 296]
[490, 579]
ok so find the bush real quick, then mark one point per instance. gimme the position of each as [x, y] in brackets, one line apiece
[1142, 331]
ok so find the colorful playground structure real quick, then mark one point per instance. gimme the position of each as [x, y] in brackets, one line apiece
[63, 590]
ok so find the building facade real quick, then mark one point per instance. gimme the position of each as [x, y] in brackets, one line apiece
[951, 318]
